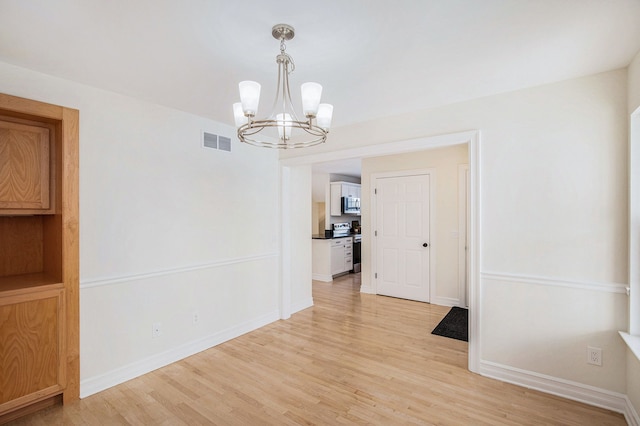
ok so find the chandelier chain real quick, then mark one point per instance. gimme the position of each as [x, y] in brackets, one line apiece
[290, 66]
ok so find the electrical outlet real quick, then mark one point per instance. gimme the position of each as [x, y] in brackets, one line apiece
[594, 355]
[156, 330]
[195, 317]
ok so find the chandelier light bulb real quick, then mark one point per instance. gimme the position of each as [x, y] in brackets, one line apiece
[249, 96]
[238, 114]
[325, 114]
[311, 93]
[284, 126]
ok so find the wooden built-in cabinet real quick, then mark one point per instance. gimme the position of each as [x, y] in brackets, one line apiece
[25, 166]
[33, 345]
[39, 274]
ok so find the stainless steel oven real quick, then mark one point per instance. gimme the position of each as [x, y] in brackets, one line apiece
[357, 242]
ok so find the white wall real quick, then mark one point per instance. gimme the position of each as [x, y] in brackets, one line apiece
[633, 382]
[319, 182]
[633, 364]
[298, 238]
[553, 226]
[445, 161]
[168, 228]
[634, 84]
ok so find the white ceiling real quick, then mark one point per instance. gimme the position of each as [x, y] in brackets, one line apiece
[374, 58]
[348, 167]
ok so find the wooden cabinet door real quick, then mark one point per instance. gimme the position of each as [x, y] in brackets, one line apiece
[24, 166]
[31, 348]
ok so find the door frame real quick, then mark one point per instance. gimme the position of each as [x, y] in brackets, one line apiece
[288, 235]
[374, 220]
[463, 234]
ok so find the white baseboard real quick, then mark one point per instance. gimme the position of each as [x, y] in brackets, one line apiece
[322, 277]
[445, 301]
[366, 289]
[564, 388]
[92, 385]
[301, 305]
[630, 414]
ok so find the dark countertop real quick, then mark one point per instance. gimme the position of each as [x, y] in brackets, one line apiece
[322, 237]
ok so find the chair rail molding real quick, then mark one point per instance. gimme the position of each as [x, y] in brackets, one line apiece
[555, 282]
[99, 282]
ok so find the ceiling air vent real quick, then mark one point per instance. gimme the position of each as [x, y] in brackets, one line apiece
[222, 143]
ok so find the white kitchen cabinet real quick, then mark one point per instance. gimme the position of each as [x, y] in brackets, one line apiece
[341, 255]
[337, 258]
[321, 260]
[342, 189]
[351, 190]
[331, 257]
[348, 255]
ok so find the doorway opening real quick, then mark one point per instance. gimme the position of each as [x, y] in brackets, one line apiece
[295, 275]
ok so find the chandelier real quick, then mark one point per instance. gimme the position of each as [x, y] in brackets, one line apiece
[313, 130]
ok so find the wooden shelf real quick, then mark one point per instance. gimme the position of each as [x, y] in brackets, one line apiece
[25, 283]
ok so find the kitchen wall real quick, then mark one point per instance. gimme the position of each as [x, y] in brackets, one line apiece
[319, 186]
[554, 231]
[345, 218]
[167, 229]
[445, 161]
[319, 211]
[318, 217]
[321, 208]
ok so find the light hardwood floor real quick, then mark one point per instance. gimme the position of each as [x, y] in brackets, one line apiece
[351, 359]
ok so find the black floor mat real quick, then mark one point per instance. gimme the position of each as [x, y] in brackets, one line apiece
[454, 325]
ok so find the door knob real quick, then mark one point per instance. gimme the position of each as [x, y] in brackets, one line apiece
[425, 245]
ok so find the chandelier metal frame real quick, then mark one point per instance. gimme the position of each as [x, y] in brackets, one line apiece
[313, 133]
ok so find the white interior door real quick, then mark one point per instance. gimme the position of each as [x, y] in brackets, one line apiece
[402, 236]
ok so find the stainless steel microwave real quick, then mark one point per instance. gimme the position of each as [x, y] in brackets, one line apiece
[351, 205]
